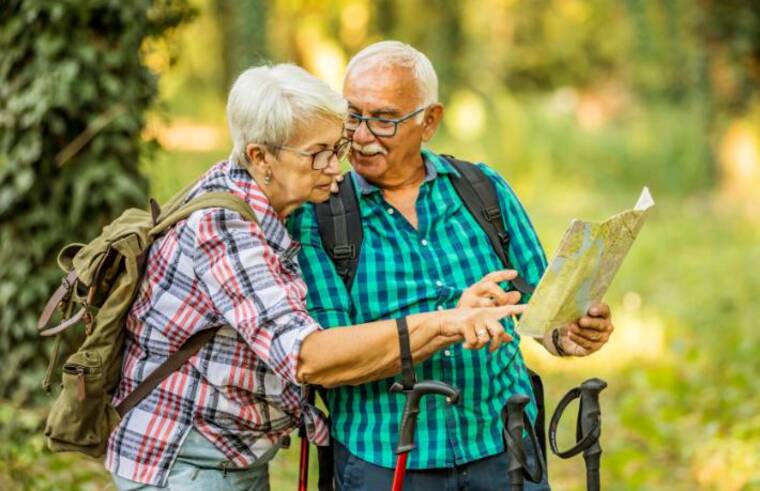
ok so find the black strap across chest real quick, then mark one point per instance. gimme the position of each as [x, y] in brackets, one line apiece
[340, 225]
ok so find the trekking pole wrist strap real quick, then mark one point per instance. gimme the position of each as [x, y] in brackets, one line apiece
[582, 441]
[405, 352]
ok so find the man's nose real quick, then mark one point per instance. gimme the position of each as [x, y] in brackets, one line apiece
[362, 134]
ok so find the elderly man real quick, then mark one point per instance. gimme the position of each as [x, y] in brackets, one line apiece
[422, 250]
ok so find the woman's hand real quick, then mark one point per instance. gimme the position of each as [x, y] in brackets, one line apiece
[477, 326]
[488, 293]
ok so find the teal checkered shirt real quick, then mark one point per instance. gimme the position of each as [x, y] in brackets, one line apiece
[403, 271]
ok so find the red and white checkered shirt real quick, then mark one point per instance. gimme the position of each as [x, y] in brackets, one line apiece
[240, 390]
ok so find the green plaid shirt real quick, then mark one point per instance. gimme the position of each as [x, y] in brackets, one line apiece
[403, 271]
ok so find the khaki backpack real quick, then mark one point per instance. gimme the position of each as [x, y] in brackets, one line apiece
[102, 280]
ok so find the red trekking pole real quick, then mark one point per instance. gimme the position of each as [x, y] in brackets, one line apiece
[414, 392]
[303, 468]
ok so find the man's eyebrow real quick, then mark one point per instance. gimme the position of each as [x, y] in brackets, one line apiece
[388, 111]
[381, 111]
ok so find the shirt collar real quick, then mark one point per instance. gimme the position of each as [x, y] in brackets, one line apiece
[435, 165]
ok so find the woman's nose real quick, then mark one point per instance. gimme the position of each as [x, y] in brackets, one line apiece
[333, 165]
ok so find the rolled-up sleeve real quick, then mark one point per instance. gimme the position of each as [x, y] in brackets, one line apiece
[258, 296]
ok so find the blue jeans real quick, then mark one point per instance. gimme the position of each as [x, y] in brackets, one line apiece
[487, 474]
[200, 466]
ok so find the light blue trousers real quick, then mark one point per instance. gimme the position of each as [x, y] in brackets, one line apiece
[200, 466]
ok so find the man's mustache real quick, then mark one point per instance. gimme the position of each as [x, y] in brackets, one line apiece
[372, 148]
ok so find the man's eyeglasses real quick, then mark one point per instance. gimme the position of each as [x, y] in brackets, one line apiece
[380, 127]
[321, 159]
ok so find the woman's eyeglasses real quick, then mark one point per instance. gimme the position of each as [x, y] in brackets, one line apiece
[321, 159]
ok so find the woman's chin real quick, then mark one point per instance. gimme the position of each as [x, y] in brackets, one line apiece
[319, 195]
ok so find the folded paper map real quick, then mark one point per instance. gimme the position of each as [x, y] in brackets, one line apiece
[582, 269]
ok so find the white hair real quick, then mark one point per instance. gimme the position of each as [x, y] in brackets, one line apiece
[386, 54]
[267, 104]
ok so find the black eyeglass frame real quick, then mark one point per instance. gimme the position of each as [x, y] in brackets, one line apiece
[367, 119]
[339, 151]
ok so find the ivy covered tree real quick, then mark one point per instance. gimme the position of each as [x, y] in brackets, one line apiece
[73, 92]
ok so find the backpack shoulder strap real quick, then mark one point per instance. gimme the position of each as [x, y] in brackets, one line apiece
[478, 194]
[340, 228]
[198, 340]
[218, 199]
[171, 365]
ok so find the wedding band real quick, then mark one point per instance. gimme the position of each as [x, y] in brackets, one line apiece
[481, 333]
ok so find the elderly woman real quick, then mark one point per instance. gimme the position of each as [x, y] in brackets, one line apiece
[217, 421]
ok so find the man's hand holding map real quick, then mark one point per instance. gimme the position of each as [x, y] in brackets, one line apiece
[582, 269]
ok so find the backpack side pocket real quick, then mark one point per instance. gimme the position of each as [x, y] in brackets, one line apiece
[82, 417]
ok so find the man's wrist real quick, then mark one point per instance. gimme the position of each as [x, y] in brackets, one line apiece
[556, 342]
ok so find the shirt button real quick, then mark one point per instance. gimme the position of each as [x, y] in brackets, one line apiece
[447, 353]
[439, 283]
[390, 211]
[441, 307]
[424, 242]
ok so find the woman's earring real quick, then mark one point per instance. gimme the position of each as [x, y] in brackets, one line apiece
[268, 177]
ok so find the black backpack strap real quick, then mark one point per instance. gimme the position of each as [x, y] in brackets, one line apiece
[340, 227]
[479, 196]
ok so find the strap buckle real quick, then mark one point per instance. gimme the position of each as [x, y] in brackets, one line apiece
[491, 214]
[504, 239]
[341, 252]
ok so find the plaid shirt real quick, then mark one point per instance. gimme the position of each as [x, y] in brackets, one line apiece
[403, 271]
[240, 390]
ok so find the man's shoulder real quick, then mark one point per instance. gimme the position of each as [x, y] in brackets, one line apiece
[447, 160]
[301, 220]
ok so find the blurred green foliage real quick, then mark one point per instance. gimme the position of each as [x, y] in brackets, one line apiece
[73, 92]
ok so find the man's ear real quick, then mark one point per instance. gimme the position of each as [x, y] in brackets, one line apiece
[257, 158]
[433, 118]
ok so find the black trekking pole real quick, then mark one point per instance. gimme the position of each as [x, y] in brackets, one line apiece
[409, 420]
[588, 429]
[515, 423]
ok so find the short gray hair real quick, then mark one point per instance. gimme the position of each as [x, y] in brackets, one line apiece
[268, 103]
[395, 53]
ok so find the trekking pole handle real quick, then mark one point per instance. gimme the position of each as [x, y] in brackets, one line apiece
[590, 413]
[412, 407]
[516, 424]
[515, 427]
[590, 423]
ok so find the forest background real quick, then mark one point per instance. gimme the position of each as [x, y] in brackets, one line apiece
[578, 103]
